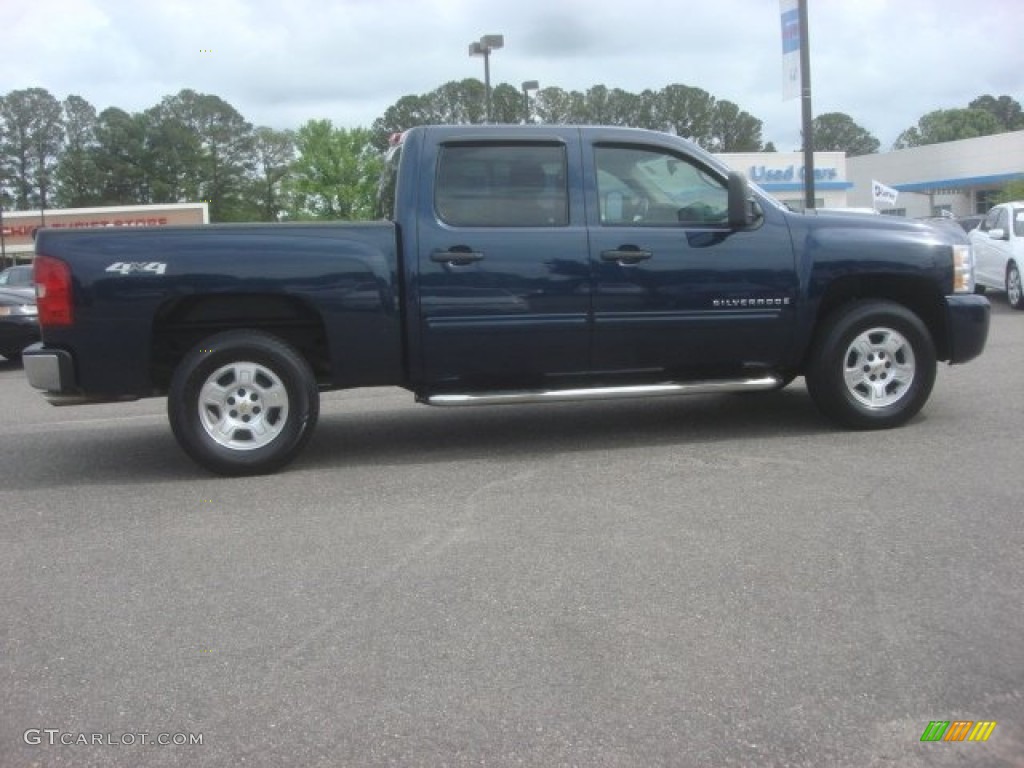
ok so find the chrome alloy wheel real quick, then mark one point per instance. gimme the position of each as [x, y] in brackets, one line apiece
[879, 367]
[243, 406]
[1013, 286]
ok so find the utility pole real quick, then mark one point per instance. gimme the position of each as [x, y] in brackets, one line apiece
[805, 103]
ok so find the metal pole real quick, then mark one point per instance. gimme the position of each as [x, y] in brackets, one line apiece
[3, 240]
[487, 81]
[805, 98]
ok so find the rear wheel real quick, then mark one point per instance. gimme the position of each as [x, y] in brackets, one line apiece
[243, 403]
[1014, 292]
[873, 365]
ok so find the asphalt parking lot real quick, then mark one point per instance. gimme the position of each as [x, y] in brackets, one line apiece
[720, 581]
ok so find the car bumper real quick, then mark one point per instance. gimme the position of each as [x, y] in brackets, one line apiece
[53, 371]
[967, 318]
[16, 333]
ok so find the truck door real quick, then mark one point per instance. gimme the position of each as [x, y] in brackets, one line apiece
[677, 293]
[504, 278]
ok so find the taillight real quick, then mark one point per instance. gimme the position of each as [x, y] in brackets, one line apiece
[53, 291]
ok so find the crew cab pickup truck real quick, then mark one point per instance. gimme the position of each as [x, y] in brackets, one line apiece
[512, 264]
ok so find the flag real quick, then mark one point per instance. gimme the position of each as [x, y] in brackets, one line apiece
[791, 75]
[883, 195]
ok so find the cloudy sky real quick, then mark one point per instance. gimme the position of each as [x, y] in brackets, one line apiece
[282, 62]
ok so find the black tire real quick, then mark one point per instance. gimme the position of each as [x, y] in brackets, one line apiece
[1014, 290]
[872, 365]
[261, 403]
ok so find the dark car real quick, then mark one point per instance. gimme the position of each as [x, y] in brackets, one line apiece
[971, 222]
[17, 277]
[19, 320]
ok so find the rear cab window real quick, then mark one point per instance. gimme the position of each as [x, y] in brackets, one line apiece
[502, 185]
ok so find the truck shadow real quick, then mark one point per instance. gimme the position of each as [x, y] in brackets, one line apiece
[439, 435]
[407, 435]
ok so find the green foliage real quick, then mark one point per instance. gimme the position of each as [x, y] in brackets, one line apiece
[77, 176]
[1013, 191]
[984, 116]
[31, 130]
[1004, 109]
[121, 158]
[274, 153]
[336, 173]
[192, 146]
[201, 149]
[719, 126]
[837, 132]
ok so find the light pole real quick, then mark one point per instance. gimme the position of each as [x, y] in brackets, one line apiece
[528, 85]
[483, 47]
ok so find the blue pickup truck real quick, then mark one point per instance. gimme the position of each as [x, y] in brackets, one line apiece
[511, 264]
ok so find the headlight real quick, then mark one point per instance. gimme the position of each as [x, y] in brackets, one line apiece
[19, 310]
[963, 269]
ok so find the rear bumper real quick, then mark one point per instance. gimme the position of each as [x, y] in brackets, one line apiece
[967, 317]
[53, 371]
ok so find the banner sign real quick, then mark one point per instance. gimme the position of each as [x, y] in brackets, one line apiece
[791, 75]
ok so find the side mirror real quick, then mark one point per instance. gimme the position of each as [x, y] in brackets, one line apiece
[739, 207]
[998, 234]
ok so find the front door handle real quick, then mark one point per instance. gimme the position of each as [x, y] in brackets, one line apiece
[626, 255]
[456, 256]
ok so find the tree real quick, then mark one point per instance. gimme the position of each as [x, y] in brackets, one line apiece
[948, 125]
[406, 113]
[506, 104]
[837, 132]
[203, 151]
[274, 153]
[78, 177]
[558, 107]
[733, 130]
[31, 129]
[121, 158]
[687, 112]
[1013, 191]
[1004, 109]
[336, 173]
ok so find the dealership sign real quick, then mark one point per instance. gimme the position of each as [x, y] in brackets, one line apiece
[763, 174]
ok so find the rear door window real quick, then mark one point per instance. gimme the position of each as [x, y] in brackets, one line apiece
[502, 185]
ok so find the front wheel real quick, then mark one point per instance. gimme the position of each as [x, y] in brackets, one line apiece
[1014, 292]
[243, 403]
[873, 365]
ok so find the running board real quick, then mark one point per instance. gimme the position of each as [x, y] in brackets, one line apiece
[605, 393]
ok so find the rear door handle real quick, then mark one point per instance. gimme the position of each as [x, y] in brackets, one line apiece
[626, 255]
[458, 256]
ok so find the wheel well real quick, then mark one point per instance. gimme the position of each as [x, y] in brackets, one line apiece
[182, 323]
[919, 296]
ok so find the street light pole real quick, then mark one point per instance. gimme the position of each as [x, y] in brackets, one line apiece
[528, 85]
[483, 47]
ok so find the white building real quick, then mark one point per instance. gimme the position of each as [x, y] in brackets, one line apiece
[781, 175]
[958, 177]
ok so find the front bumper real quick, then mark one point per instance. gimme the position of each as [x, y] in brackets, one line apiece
[967, 318]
